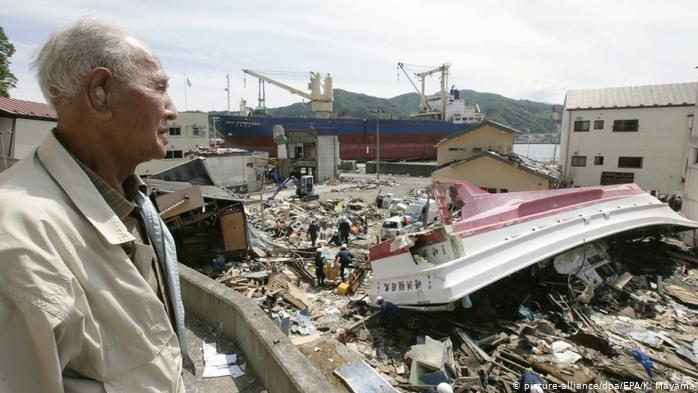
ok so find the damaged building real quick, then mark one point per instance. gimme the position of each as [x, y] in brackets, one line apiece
[313, 151]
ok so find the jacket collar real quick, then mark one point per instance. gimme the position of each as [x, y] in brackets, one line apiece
[75, 183]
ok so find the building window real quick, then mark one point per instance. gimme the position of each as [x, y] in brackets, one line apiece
[477, 149]
[503, 190]
[456, 149]
[491, 190]
[629, 162]
[598, 160]
[198, 131]
[626, 125]
[598, 124]
[174, 154]
[579, 161]
[175, 131]
[581, 125]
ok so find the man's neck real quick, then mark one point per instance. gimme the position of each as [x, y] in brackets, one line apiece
[95, 155]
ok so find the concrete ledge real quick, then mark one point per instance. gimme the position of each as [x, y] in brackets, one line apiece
[279, 365]
[421, 169]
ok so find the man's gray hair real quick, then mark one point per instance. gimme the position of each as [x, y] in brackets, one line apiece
[73, 51]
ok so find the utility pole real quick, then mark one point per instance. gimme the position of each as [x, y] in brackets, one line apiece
[378, 112]
[227, 89]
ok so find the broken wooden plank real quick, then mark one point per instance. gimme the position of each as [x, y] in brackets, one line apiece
[361, 322]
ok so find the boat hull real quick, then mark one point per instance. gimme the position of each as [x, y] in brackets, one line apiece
[451, 265]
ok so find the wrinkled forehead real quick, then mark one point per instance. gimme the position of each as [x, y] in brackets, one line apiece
[146, 62]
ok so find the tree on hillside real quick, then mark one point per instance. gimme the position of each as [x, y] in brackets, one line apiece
[7, 79]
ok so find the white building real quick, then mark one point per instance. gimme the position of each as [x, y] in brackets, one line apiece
[627, 134]
[23, 125]
[187, 133]
[690, 197]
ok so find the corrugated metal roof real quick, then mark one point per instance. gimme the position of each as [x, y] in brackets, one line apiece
[674, 94]
[29, 109]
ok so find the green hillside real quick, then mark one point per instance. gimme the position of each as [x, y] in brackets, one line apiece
[519, 114]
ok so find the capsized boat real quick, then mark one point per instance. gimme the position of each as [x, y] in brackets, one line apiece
[500, 234]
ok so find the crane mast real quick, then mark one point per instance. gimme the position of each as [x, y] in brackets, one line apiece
[424, 104]
[321, 99]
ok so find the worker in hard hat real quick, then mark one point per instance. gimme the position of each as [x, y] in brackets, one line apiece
[320, 267]
[443, 387]
[344, 228]
[390, 315]
[345, 259]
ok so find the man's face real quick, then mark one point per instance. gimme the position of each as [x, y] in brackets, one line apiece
[141, 109]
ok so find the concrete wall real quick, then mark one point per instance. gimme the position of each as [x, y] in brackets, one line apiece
[327, 157]
[485, 138]
[488, 172]
[28, 135]
[279, 366]
[185, 142]
[660, 140]
[690, 194]
[402, 168]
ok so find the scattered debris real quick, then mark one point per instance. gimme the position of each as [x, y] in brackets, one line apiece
[622, 309]
[220, 365]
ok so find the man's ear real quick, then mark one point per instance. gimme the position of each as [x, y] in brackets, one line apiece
[99, 87]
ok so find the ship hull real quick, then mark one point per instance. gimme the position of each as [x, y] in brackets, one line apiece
[399, 139]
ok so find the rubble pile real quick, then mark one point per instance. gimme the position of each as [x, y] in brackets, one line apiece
[615, 315]
[364, 183]
[639, 328]
[287, 221]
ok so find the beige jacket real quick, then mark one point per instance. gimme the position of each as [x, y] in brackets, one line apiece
[75, 313]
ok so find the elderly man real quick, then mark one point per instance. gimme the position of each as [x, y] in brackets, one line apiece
[89, 290]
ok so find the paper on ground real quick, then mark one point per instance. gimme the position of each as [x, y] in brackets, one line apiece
[219, 364]
[232, 370]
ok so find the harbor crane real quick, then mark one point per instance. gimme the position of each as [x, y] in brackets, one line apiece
[320, 96]
[425, 109]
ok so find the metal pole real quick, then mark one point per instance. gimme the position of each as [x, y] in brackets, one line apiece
[185, 92]
[378, 146]
[227, 89]
[261, 201]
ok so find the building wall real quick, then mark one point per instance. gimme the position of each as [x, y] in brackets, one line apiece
[490, 173]
[327, 158]
[660, 140]
[484, 138]
[28, 134]
[185, 142]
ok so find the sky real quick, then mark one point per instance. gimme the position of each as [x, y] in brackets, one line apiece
[533, 49]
